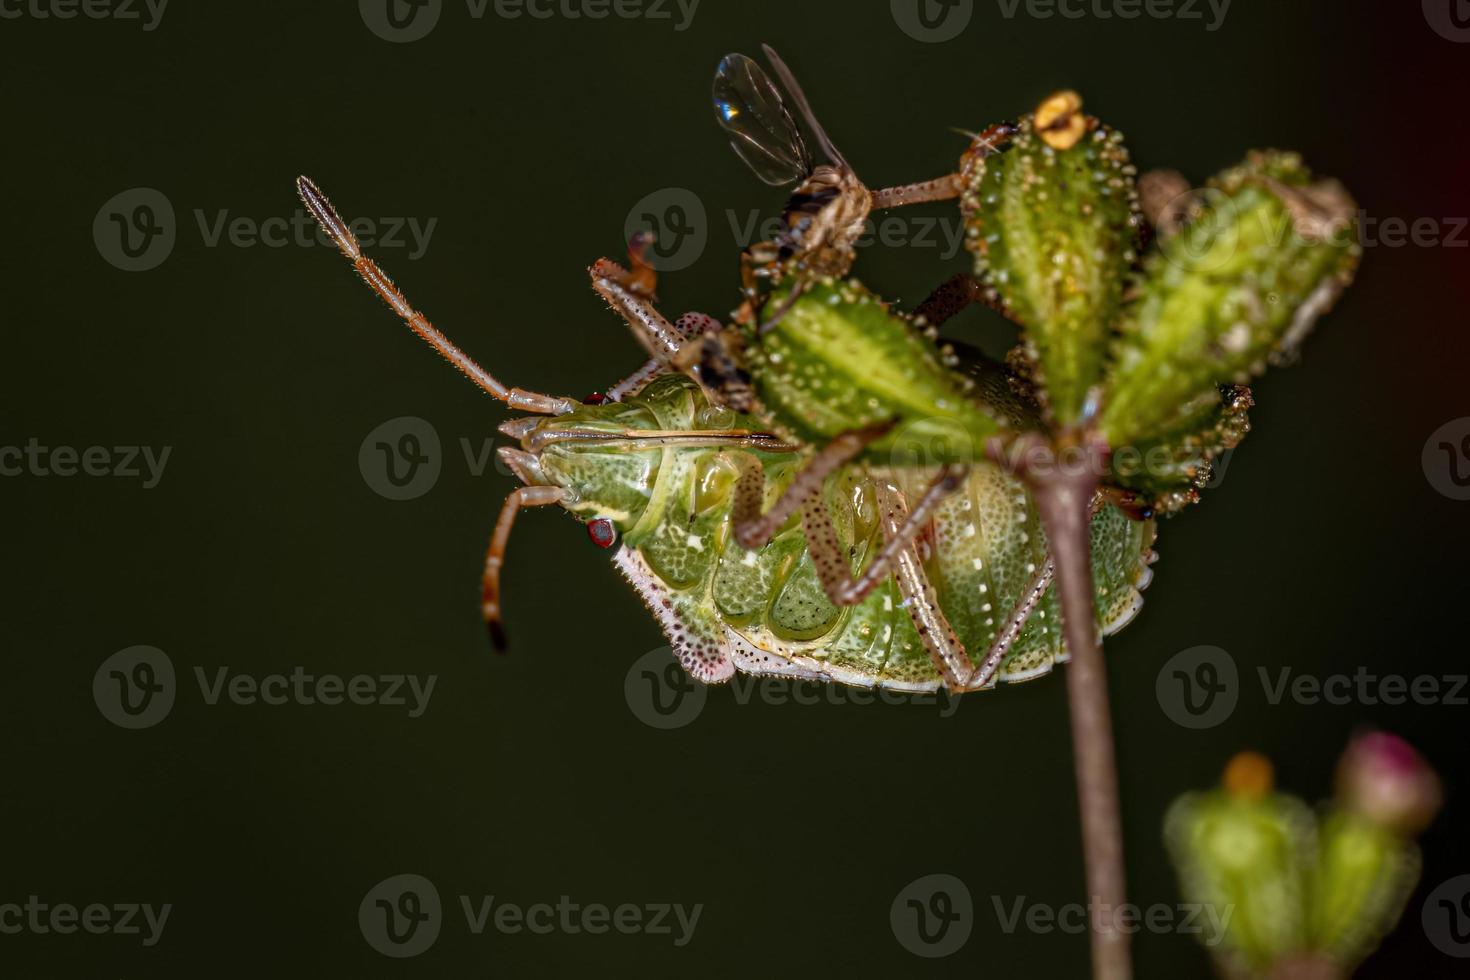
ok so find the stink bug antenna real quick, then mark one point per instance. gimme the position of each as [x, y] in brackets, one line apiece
[799, 97]
[331, 222]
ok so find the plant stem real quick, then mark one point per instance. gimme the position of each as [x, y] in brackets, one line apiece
[1063, 499]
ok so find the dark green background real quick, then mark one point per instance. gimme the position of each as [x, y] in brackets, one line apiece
[529, 777]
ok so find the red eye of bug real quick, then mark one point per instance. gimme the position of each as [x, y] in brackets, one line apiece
[602, 532]
[596, 398]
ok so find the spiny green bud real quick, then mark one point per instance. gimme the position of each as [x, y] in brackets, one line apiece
[1171, 470]
[1256, 258]
[1241, 850]
[1052, 222]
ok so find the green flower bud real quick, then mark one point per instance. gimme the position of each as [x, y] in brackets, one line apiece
[1364, 874]
[1260, 254]
[1053, 223]
[1170, 471]
[1242, 850]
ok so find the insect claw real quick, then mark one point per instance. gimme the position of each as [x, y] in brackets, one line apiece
[497, 635]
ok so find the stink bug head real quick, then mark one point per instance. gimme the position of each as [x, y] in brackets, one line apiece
[592, 455]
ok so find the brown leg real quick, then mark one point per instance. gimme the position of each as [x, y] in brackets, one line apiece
[939, 189]
[687, 326]
[1015, 622]
[321, 209]
[631, 296]
[831, 560]
[938, 637]
[495, 556]
[754, 529]
[953, 295]
[1023, 609]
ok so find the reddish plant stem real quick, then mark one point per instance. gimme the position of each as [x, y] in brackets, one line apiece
[1063, 491]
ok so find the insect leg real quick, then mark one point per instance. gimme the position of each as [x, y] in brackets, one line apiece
[1021, 612]
[830, 559]
[1015, 622]
[495, 556]
[953, 295]
[686, 326]
[754, 529]
[938, 637]
[939, 189]
[321, 209]
[621, 290]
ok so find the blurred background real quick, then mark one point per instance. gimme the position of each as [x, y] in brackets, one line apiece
[165, 295]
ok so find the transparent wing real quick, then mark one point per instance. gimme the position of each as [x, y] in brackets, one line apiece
[761, 129]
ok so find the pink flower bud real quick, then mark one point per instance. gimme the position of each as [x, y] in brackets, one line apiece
[1382, 778]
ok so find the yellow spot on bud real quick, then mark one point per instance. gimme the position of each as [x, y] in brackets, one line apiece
[1248, 776]
[1059, 120]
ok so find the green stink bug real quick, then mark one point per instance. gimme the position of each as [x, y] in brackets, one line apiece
[669, 471]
